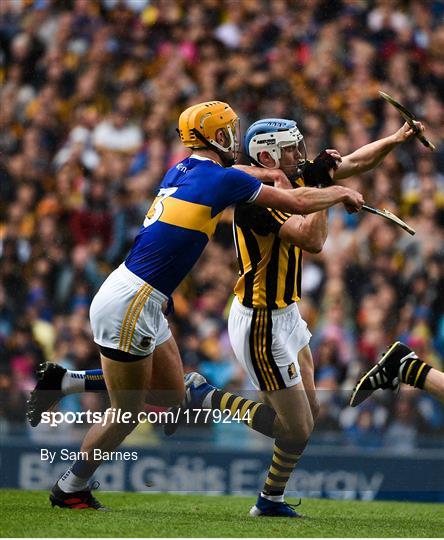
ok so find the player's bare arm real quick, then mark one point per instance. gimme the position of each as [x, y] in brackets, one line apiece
[370, 155]
[308, 200]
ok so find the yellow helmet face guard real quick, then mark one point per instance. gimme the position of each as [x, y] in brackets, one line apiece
[231, 131]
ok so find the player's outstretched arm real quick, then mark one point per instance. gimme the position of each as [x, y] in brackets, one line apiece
[308, 200]
[370, 155]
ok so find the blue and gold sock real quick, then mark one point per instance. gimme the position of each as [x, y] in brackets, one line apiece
[75, 382]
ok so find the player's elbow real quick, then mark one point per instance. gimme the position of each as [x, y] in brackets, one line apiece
[296, 430]
[306, 240]
[314, 246]
[316, 249]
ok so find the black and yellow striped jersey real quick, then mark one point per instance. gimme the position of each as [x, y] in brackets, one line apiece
[269, 268]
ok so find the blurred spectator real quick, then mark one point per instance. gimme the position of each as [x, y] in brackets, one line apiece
[401, 434]
[117, 134]
[363, 433]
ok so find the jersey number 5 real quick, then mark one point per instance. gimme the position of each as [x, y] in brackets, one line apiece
[156, 208]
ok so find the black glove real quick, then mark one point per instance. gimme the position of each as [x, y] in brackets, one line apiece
[316, 173]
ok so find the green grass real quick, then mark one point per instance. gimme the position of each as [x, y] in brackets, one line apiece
[28, 514]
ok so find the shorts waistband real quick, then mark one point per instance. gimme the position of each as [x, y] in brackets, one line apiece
[274, 312]
[155, 295]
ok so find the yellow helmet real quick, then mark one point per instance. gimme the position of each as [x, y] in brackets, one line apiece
[198, 125]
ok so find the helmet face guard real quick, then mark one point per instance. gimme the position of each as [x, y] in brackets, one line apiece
[232, 135]
[271, 135]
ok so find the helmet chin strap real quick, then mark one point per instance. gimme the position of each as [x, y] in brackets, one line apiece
[293, 177]
[251, 159]
[228, 162]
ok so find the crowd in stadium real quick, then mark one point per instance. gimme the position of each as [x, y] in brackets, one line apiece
[89, 100]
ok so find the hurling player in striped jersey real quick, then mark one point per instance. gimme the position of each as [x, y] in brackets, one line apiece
[268, 335]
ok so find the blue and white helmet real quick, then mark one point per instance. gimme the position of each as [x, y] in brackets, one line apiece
[272, 134]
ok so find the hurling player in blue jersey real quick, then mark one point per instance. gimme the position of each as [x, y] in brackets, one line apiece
[138, 353]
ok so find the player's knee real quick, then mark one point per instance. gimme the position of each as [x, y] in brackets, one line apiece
[305, 430]
[297, 430]
[315, 408]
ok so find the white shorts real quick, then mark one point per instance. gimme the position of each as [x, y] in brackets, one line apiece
[126, 314]
[267, 342]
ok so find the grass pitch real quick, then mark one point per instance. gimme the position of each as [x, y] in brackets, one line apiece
[29, 514]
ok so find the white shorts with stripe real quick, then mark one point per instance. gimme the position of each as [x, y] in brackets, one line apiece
[266, 342]
[126, 314]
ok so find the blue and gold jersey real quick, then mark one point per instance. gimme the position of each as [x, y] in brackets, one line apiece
[183, 218]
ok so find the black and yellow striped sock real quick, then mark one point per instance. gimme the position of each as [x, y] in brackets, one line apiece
[285, 459]
[413, 371]
[254, 414]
